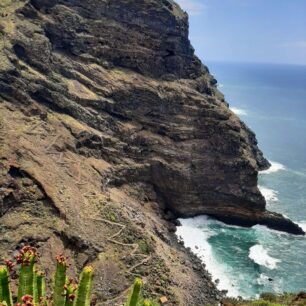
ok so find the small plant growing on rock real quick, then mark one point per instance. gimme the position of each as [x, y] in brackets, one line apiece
[60, 281]
[27, 287]
[135, 294]
[84, 289]
[5, 290]
[135, 297]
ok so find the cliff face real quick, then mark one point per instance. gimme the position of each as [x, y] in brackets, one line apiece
[127, 69]
[114, 86]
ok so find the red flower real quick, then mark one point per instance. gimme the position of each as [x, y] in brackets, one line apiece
[10, 265]
[61, 259]
[27, 255]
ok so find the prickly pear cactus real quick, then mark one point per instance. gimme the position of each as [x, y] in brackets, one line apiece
[5, 291]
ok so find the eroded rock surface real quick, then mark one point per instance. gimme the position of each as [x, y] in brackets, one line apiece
[107, 98]
[128, 70]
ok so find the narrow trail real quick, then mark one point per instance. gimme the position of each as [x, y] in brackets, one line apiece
[135, 252]
[135, 247]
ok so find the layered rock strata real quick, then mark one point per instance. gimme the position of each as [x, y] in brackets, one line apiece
[115, 86]
[127, 69]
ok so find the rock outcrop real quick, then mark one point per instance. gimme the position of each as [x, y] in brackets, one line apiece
[119, 81]
[127, 69]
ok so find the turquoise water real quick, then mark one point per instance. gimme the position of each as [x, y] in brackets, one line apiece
[271, 99]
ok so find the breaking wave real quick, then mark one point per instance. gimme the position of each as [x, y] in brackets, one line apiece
[195, 235]
[260, 256]
[275, 167]
[269, 194]
[302, 225]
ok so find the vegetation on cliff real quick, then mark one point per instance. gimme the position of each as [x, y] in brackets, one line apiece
[270, 299]
[64, 291]
[32, 285]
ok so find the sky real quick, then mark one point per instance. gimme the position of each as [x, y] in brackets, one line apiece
[265, 31]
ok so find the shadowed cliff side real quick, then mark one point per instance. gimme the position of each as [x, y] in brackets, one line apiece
[144, 103]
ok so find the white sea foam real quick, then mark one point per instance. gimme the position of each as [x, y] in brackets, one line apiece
[262, 279]
[275, 167]
[302, 225]
[269, 194]
[275, 284]
[238, 111]
[220, 85]
[196, 239]
[260, 256]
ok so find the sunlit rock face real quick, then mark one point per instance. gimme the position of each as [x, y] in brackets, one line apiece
[127, 70]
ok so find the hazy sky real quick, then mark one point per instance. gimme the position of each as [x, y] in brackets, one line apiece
[248, 30]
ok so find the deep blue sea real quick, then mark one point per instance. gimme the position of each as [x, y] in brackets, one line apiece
[271, 99]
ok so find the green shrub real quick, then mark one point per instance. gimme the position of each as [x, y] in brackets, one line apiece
[264, 303]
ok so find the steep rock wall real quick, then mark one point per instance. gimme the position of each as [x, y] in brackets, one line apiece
[126, 69]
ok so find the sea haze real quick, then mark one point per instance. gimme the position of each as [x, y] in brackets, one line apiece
[271, 99]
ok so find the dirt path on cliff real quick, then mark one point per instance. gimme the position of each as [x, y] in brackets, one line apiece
[58, 200]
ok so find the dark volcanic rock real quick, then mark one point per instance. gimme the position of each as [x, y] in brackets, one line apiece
[126, 69]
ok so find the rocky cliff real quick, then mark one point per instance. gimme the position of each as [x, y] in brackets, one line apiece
[108, 118]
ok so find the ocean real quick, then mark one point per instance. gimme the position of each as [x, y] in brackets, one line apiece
[271, 99]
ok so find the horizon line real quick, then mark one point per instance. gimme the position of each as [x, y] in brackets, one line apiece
[250, 62]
